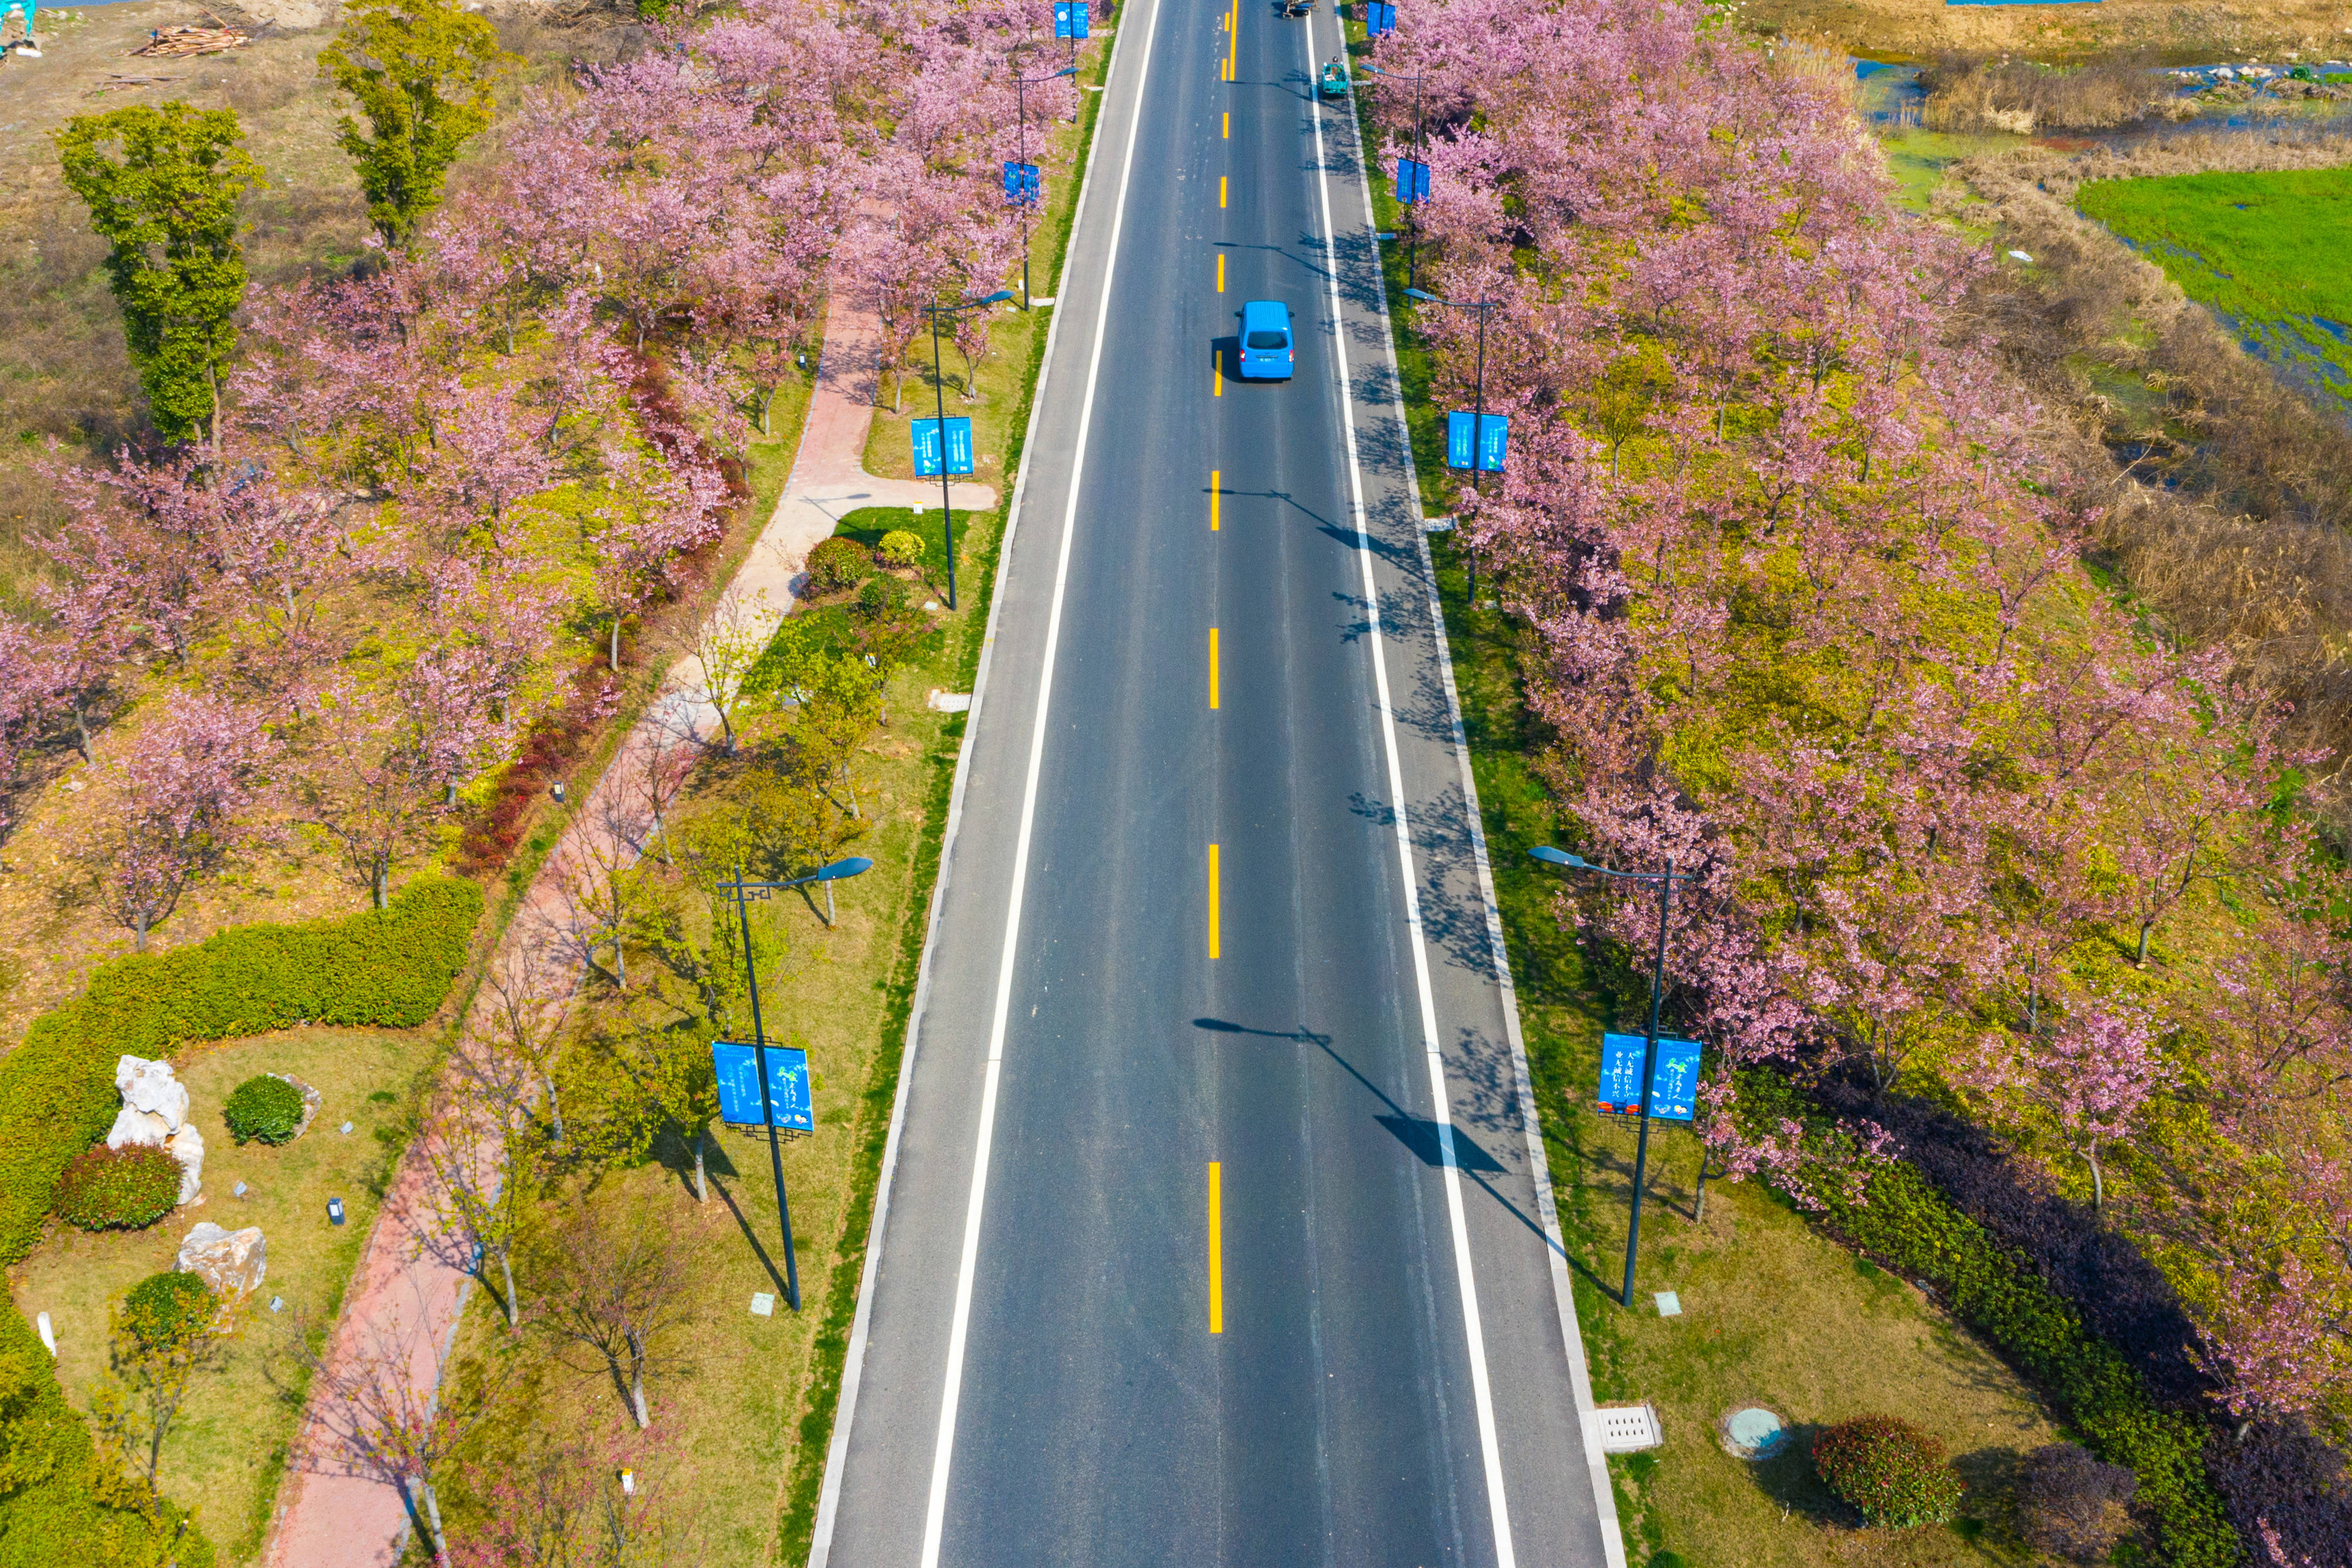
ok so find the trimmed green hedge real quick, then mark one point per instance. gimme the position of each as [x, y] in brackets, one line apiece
[1904, 1221]
[57, 1508]
[386, 969]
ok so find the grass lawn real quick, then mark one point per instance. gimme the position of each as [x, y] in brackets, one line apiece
[227, 1451]
[2272, 253]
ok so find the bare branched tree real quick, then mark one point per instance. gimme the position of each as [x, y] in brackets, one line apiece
[615, 1293]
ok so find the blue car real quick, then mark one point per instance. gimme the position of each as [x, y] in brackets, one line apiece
[1268, 351]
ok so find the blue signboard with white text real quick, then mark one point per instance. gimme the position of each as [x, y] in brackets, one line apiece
[1020, 182]
[926, 434]
[1494, 434]
[1673, 1084]
[1070, 17]
[1379, 19]
[1412, 181]
[739, 1085]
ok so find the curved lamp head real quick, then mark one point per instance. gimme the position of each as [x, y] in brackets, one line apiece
[999, 297]
[1556, 857]
[839, 869]
[1422, 294]
[1067, 71]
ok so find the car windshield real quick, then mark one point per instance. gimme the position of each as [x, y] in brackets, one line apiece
[1269, 339]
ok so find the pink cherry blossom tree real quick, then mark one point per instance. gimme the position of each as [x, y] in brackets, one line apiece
[175, 808]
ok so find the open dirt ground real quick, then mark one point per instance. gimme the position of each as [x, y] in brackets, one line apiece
[2180, 31]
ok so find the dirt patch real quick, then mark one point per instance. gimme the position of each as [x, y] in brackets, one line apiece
[2180, 33]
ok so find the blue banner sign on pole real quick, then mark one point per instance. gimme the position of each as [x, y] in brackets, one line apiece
[1674, 1084]
[1022, 184]
[1379, 20]
[1070, 18]
[1494, 434]
[925, 434]
[739, 1085]
[1412, 181]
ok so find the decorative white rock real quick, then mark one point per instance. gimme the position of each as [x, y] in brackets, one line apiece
[155, 1114]
[187, 1146]
[231, 1261]
[149, 1086]
[48, 1331]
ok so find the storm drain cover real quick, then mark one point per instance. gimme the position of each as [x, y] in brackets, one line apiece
[1753, 1432]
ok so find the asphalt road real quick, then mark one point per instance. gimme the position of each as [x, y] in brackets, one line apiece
[1210, 1231]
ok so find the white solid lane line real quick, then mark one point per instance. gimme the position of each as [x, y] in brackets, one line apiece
[1489, 1443]
[935, 1514]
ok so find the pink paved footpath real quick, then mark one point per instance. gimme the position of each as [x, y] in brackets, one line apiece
[342, 1505]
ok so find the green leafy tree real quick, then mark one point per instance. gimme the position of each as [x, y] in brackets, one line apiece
[162, 185]
[424, 73]
[169, 1328]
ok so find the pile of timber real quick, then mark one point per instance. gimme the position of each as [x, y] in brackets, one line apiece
[179, 43]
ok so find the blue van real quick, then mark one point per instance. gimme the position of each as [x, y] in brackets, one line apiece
[1267, 351]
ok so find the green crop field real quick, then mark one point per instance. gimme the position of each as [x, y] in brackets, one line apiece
[2271, 253]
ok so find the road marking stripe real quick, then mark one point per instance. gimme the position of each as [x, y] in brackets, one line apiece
[1221, 190]
[1212, 901]
[1481, 1386]
[959, 1327]
[1213, 500]
[1216, 1251]
[1217, 371]
[1220, 272]
[1212, 667]
[1229, 125]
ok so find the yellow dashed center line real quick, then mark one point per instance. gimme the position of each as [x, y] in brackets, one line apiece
[1212, 667]
[1212, 499]
[1213, 941]
[1229, 125]
[1220, 272]
[1221, 190]
[1216, 1251]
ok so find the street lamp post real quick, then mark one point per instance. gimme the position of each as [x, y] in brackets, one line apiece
[940, 401]
[1478, 411]
[1666, 881]
[1420, 145]
[1021, 86]
[744, 891]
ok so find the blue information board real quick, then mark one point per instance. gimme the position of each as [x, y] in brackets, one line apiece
[925, 434]
[1673, 1085]
[1412, 181]
[1070, 17]
[739, 1085]
[1379, 19]
[1494, 434]
[1020, 182]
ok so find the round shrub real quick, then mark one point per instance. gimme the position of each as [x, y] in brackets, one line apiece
[119, 1190]
[263, 1108]
[900, 547]
[838, 564]
[163, 1308]
[1894, 1473]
